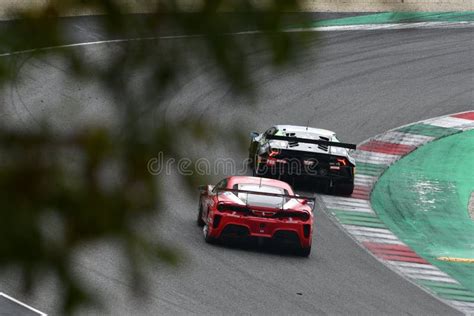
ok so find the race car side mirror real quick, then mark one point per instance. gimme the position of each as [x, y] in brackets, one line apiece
[253, 135]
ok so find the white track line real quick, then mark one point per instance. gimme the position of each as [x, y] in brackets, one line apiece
[116, 41]
[22, 304]
[362, 27]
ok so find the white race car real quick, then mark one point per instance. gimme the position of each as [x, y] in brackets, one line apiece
[297, 153]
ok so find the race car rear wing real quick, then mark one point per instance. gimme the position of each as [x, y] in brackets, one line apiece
[305, 200]
[292, 139]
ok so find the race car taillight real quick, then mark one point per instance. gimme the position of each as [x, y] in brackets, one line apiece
[274, 152]
[304, 216]
[342, 161]
[225, 207]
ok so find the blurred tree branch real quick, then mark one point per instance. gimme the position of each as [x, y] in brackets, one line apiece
[38, 181]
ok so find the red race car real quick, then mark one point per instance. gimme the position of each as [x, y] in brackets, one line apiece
[241, 207]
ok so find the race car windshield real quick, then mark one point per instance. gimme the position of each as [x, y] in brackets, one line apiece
[261, 200]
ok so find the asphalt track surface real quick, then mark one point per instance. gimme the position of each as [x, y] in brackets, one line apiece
[359, 83]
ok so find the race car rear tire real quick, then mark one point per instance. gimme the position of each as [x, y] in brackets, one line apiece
[304, 251]
[344, 188]
[207, 237]
[199, 220]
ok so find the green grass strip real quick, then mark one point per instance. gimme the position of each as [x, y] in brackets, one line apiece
[398, 17]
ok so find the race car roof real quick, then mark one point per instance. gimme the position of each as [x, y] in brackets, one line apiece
[257, 180]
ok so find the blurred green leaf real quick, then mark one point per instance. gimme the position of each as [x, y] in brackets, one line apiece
[94, 179]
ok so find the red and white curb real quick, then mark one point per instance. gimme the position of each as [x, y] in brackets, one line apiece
[381, 151]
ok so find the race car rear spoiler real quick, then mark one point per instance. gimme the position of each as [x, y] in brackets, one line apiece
[312, 141]
[303, 199]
